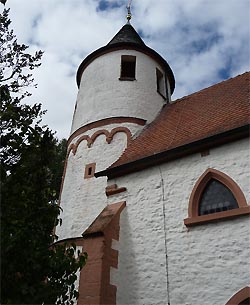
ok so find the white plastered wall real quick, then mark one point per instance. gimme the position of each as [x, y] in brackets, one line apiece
[102, 95]
[207, 264]
[82, 200]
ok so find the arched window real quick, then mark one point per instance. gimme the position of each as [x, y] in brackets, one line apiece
[242, 297]
[215, 196]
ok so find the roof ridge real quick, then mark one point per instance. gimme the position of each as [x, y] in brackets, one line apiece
[214, 85]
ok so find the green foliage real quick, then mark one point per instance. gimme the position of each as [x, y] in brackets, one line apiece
[32, 271]
[15, 63]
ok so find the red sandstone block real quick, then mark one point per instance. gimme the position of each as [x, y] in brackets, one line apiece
[92, 276]
[109, 301]
[89, 290]
[94, 244]
[93, 256]
[113, 258]
[89, 301]
[111, 292]
[92, 273]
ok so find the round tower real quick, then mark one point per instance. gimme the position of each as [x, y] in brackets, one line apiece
[122, 87]
[125, 78]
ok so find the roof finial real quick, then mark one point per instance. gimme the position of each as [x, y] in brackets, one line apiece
[129, 15]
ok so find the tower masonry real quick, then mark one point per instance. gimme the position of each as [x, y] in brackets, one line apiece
[123, 79]
[122, 88]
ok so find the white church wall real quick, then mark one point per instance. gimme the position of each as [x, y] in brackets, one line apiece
[208, 263]
[141, 274]
[82, 200]
[102, 94]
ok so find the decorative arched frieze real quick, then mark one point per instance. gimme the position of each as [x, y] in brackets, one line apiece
[99, 133]
[73, 147]
[242, 297]
[90, 140]
[120, 129]
[193, 210]
[105, 122]
[109, 137]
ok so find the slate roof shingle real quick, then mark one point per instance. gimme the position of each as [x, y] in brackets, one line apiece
[127, 38]
[127, 34]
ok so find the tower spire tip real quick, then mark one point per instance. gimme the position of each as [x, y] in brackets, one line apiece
[129, 15]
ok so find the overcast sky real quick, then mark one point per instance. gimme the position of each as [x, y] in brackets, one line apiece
[204, 42]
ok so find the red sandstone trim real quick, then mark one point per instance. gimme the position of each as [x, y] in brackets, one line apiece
[103, 220]
[200, 185]
[91, 273]
[89, 170]
[120, 129]
[94, 283]
[98, 133]
[240, 296]
[104, 122]
[90, 141]
[198, 220]
[195, 219]
[114, 189]
[94, 286]
[109, 137]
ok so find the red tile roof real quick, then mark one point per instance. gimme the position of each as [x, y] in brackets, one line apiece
[211, 111]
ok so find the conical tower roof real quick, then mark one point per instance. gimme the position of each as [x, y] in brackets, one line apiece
[127, 34]
[126, 38]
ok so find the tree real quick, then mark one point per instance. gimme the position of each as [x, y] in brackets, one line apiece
[33, 269]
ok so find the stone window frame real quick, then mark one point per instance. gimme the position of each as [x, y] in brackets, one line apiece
[89, 170]
[210, 173]
[240, 296]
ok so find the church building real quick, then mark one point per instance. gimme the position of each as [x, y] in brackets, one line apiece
[157, 191]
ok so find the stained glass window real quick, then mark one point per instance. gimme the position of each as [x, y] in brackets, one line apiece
[215, 198]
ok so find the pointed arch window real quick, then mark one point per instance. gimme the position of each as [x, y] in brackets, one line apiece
[215, 196]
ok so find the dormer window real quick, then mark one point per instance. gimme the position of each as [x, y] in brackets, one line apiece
[160, 82]
[128, 63]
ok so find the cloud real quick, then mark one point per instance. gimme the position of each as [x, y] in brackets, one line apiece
[204, 41]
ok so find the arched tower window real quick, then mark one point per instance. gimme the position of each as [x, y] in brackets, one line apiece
[215, 196]
[242, 297]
